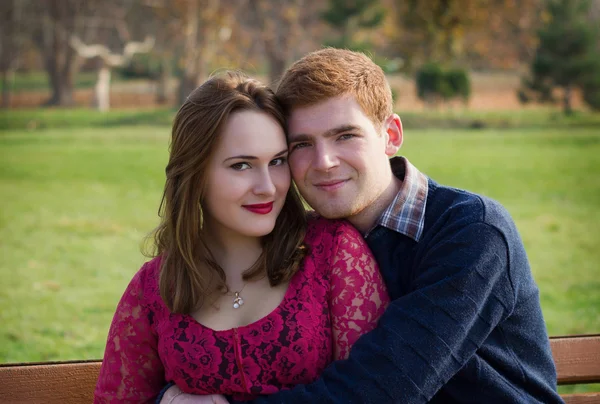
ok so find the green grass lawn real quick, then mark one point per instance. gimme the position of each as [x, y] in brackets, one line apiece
[77, 202]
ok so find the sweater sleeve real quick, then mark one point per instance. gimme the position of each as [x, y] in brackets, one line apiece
[426, 336]
[357, 293]
[131, 371]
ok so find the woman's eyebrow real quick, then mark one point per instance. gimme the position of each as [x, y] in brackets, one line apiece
[247, 157]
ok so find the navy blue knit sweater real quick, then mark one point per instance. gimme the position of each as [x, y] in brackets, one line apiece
[464, 325]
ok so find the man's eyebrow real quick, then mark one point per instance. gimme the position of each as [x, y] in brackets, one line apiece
[246, 157]
[301, 137]
[340, 129]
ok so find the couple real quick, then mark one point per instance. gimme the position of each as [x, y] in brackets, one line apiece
[423, 294]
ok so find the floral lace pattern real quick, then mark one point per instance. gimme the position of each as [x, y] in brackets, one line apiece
[336, 296]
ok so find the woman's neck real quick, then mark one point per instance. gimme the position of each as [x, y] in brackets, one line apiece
[234, 253]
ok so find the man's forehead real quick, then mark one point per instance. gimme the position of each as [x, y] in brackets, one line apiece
[331, 113]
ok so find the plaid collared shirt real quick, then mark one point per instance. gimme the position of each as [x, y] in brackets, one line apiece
[406, 214]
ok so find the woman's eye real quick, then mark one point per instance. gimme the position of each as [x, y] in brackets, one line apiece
[240, 166]
[278, 161]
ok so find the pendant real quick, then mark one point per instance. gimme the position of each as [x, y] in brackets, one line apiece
[237, 301]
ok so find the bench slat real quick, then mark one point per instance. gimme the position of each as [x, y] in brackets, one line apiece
[577, 358]
[68, 383]
[585, 398]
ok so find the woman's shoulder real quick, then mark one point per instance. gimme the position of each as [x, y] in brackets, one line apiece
[327, 238]
[320, 229]
[145, 280]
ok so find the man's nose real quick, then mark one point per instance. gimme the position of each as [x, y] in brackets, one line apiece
[325, 158]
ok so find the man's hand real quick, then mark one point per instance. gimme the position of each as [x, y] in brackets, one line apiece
[174, 395]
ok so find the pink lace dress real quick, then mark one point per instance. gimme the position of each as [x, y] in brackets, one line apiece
[336, 296]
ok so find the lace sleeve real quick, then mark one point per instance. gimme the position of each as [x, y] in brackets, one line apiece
[131, 371]
[358, 293]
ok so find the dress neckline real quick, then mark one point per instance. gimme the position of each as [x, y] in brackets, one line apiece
[293, 284]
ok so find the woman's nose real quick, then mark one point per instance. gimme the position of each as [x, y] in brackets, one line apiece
[264, 184]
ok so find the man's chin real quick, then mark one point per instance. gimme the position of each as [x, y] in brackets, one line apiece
[330, 212]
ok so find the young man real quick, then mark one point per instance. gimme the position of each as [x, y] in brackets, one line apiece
[465, 324]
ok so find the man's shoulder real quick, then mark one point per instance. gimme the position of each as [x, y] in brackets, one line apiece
[455, 204]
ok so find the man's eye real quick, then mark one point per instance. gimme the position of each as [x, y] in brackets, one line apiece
[346, 136]
[278, 161]
[240, 166]
[300, 145]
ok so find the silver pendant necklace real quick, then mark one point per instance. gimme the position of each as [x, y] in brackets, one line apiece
[238, 301]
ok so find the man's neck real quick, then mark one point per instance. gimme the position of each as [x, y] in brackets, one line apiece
[368, 217]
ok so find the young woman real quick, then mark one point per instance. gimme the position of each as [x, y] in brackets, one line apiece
[244, 296]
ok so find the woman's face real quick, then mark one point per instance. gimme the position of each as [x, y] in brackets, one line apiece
[248, 177]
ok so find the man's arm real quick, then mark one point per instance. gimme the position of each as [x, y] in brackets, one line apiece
[425, 337]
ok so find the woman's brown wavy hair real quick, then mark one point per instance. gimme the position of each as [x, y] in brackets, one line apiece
[189, 271]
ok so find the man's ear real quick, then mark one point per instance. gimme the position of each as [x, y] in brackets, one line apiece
[393, 128]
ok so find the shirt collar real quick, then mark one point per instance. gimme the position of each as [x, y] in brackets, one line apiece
[406, 214]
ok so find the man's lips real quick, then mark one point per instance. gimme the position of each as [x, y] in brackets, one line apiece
[330, 185]
[260, 208]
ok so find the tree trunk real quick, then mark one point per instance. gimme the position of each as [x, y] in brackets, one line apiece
[187, 84]
[7, 76]
[193, 71]
[276, 39]
[277, 65]
[567, 108]
[162, 88]
[59, 59]
[102, 89]
[61, 86]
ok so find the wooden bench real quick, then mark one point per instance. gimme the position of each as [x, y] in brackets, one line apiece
[49, 382]
[577, 361]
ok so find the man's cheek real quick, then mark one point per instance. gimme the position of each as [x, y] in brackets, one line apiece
[297, 166]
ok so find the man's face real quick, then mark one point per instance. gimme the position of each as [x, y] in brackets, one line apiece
[339, 158]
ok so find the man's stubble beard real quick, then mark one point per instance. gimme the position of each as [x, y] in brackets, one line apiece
[343, 209]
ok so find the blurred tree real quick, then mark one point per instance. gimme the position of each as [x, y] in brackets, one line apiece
[349, 17]
[505, 34]
[459, 83]
[108, 61]
[591, 92]
[434, 29]
[194, 38]
[280, 26]
[431, 84]
[206, 25]
[566, 56]
[485, 33]
[115, 22]
[11, 39]
[436, 85]
[166, 22]
[53, 22]
[166, 26]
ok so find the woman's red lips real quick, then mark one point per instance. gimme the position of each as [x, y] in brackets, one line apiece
[260, 208]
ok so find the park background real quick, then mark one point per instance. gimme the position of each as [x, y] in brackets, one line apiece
[499, 97]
